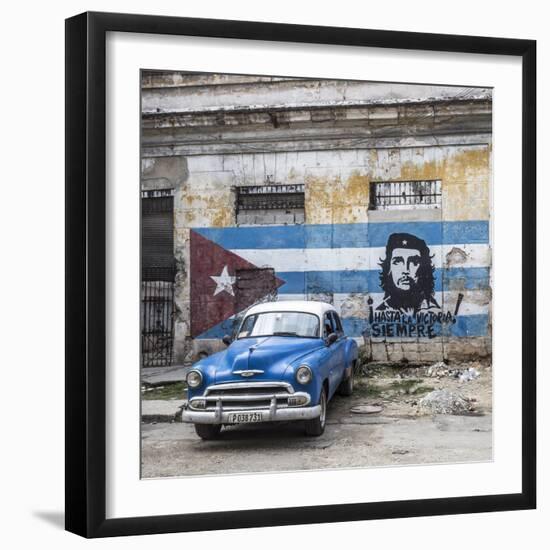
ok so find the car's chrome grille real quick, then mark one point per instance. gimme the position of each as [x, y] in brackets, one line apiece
[243, 405]
[247, 395]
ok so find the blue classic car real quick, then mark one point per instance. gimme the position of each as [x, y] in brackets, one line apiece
[286, 362]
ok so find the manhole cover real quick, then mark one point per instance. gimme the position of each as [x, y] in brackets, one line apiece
[366, 409]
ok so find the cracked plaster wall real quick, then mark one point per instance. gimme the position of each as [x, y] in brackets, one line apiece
[204, 167]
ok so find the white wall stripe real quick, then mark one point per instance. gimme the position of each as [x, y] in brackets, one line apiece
[342, 259]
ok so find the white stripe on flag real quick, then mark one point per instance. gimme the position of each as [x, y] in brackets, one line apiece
[346, 259]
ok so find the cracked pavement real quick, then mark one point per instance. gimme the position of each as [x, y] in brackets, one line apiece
[393, 437]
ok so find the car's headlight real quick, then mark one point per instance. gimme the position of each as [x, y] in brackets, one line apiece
[194, 378]
[304, 374]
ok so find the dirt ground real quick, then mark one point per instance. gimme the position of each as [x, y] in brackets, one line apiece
[399, 389]
[401, 434]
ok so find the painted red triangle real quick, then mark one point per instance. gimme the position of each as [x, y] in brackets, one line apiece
[211, 301]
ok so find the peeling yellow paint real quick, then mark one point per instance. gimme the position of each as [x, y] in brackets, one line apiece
[456, 166]
[207, 217]
[205, 209]
[344, 197]
[222, 218]
[356, 190]
[350, 214]
[465, 176]
[336, 200]
[319, 191]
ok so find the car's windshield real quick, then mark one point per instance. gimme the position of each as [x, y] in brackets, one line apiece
[280, 323]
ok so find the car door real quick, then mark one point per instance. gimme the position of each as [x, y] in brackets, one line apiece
[328, 358]
[337, 352]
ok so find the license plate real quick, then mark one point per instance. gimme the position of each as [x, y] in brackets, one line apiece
[241, 418]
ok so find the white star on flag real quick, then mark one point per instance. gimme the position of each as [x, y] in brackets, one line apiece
[224, 281]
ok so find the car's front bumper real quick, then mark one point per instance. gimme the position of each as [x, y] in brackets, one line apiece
[221, 416]
[243, 402]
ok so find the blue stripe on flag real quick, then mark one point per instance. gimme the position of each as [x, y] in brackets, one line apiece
[465, 326]
[432, 232]
[218, 331]
[303, 282]
[358, 235]
[470, 325]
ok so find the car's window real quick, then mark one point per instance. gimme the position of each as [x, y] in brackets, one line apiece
[336, 322]
[328, 327]
[280, 323]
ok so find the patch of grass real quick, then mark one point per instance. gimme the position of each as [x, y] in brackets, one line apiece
[410, 386]
[176, 390]
[381, 371]
[405, 384]
[404, 387]
[368, 390]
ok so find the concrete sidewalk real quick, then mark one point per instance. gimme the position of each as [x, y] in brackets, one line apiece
[166, 410]
[156, 376]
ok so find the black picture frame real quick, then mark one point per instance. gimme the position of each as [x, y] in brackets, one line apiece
[86, 273]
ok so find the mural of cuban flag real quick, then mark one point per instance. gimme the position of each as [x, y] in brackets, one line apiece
[234, 267]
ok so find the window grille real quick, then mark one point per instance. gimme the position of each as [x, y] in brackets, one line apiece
[270, 204]
[157, 229]
[157, 277]
[404, 195]
[270, 197]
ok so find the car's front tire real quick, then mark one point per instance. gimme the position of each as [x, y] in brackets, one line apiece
[316, 426]
[208, 431]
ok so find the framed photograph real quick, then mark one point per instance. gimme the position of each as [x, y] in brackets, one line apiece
[300, 274]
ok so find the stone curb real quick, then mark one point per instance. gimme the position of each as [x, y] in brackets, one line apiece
[157, 376]
[168, 410]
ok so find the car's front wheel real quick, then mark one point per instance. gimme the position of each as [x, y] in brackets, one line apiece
[208, 431]
[316, 426]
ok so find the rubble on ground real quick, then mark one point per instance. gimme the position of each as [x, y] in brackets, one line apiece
[464, 371]
[444, 402]
[440, 369]
[437, 369]
[468, 375]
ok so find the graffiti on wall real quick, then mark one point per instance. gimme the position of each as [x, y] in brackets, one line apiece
[409, 308]
[435, 284]
[223, 284]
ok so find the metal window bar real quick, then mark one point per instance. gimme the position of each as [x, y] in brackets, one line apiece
[270, 197]
[157, 316]
[156, 193]
[402, 194]
[157, 278]
[157, 204]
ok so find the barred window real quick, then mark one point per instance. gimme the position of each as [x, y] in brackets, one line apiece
[405, 195]
[270, 204]
[157, 231]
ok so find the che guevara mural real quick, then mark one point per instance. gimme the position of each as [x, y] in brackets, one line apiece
[408, 308]
[391, 281]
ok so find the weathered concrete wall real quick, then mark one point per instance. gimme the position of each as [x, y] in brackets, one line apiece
[255, 93]
[337, 193]
[335, 255]
[163, 172]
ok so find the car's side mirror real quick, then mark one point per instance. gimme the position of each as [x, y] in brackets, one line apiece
[331, 338]
[226, 340]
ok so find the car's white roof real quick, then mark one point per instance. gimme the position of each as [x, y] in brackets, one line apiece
[306, 306]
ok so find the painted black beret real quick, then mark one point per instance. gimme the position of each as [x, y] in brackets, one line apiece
[405, 240]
